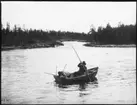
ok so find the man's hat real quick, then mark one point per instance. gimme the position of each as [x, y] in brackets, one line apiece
[84, 62]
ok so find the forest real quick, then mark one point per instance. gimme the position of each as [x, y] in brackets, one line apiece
[26, 37]
[122, 34]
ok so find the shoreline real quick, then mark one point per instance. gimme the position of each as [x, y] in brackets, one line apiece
[111, 45]
[55, 44]
[32, 46]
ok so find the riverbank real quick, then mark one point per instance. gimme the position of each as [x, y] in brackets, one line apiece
[110, 45]
[59, 43]
[36, 45]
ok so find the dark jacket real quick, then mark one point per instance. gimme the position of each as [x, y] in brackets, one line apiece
[82, 68]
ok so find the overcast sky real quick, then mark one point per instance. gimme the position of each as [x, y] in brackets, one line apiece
[68, 16]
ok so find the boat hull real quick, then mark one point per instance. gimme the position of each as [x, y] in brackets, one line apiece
[79, 79]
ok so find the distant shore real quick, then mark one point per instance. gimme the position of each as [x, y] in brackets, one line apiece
[30, 46]
[111, 45]
[59, 43]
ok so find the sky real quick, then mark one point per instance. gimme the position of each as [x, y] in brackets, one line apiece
[67, 16]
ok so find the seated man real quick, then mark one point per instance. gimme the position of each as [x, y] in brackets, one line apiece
[82, 68]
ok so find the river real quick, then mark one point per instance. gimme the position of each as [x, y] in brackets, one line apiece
[24, 81]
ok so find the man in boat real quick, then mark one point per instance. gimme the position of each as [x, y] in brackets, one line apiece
[82, 68]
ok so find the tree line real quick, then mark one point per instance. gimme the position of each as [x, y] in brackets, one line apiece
[19, 37]
[123, 34]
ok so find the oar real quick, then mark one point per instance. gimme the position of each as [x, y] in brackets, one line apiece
[49, 73]
[64, 67]
[80, 62]
[56, 70]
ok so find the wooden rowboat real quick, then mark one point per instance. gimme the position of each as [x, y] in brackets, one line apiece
[91, 76]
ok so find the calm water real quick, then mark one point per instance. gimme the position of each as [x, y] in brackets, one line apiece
[24, 80]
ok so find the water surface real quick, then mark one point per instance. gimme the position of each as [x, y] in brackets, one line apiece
[24, 80]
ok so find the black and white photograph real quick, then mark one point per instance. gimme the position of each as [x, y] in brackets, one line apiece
[68, 52]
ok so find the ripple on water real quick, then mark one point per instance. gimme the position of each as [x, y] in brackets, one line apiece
[23, 81]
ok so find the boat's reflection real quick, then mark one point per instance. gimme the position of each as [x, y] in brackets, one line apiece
[85, 90]
[81, 85]
[81, 90]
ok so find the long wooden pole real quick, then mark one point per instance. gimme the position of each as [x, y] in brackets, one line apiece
[77, 54]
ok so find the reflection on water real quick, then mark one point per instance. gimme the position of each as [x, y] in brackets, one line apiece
[23, 79]
[81, 90]
[82, 86]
